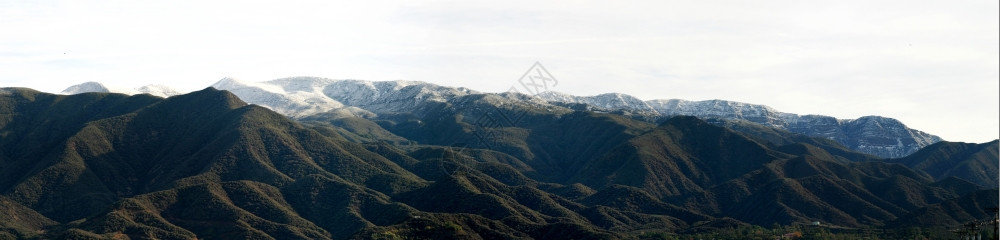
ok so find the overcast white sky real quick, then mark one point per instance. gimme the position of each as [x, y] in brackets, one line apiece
[931, 64]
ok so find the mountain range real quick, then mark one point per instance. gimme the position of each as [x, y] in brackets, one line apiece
[305, 97]
[398, 160]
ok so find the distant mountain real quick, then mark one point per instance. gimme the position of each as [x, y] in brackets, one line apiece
[306, 97]
[155, 90]
[880, 136]
[469, 166]
[304, 101]
[158, 90]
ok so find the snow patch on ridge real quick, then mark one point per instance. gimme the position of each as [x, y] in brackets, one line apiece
[154, 89]
[293, 98]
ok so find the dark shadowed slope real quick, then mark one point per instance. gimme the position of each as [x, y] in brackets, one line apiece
[180, 144]
[955, 212]
[207, 165]
[976, 163]
[679, 157]
[716, 171]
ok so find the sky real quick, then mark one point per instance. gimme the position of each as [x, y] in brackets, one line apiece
[931, 64]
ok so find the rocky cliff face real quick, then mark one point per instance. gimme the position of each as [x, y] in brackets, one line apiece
[880, 136]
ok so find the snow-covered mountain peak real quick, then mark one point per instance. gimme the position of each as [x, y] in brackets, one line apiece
[295, 97]
[390, 96]
[154, 89]
[230, 82]
[619, 101]
[234, 84]
[400, 84]
[104, 88]
[877, 120]
[606, 101]
[882, 136]
[557, 97]
[305, 96]
[86, 87]
[302, 84]
[158, 90]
